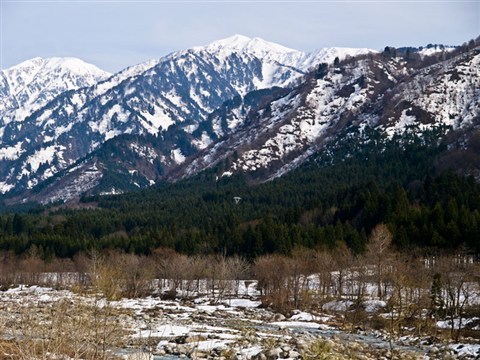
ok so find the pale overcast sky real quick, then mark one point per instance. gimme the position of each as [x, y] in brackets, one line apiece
[116, 34]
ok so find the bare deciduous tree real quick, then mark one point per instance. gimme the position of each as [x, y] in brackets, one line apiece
[458, 280]
[378, 254]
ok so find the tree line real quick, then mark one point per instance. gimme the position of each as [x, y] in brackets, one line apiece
[336, 198]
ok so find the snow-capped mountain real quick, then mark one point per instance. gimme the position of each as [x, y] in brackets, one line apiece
[379, 91]
[237, 105]
[31, 84]
[289, 128]
[281, 66]
[181, 88]
[257, 47]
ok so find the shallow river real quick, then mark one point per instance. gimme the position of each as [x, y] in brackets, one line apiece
[339, 334]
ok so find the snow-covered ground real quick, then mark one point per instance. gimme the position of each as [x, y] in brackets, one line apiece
[239, 326]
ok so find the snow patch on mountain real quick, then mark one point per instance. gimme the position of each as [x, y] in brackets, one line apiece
[177, 156]
[11, 152]
[203, 142]
[42, 156]
[144, 152]
[435, 49]
[401, 123]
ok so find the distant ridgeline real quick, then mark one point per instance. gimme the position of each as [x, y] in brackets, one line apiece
[362, 179]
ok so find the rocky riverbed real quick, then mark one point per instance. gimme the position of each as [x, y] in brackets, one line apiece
[235, 328]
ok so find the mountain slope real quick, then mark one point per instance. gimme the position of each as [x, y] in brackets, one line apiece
[376, 91]
[181, 88]
[446, 93]
[266, 133]
[235, 106]
[31, 84]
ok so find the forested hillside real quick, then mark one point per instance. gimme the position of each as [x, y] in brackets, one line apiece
[362, 180]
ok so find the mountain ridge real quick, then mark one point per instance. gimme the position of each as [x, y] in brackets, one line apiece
[30, 85]
[146, 98]
[243, 104]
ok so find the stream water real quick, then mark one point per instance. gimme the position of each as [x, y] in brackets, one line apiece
[370, 340]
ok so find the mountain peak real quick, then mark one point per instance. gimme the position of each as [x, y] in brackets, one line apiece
[243, 44]
[234, 42]
[257, 42]
[38, 67]
[70, 63]
[31, 84]
[236, 39]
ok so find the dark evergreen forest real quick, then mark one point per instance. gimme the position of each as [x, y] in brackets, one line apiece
[338, 196]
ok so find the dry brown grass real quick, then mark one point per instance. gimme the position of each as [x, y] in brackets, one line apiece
[60, 330]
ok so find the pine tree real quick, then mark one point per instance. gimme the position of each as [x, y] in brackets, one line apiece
[436, 298]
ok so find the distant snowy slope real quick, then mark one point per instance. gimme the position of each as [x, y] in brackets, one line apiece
[281, 66]
[31, 84]
[272, 52]
[328, 55]
[435, 49]
[243, 44]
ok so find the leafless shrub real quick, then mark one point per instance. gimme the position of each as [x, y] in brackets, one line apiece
[271, 274]
[59, 330]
